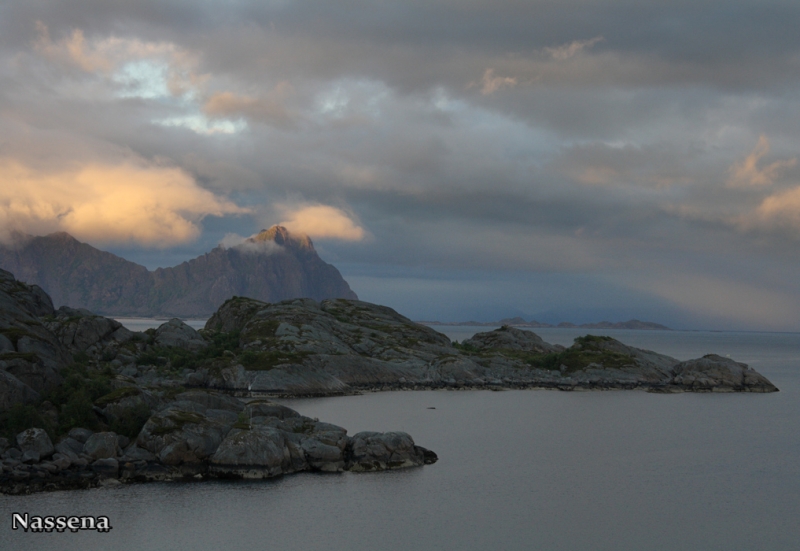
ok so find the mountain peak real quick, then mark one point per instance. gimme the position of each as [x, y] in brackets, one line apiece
[283, 237]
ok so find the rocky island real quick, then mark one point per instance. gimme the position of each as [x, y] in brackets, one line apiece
[84, 401]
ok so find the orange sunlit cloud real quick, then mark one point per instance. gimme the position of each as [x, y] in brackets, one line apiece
[130, 202]
[748, 173]
[321, 221]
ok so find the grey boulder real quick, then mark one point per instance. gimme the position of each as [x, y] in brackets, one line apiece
[80, 434]
[178, 334]
[37, 440]
[106, 467]
[259, 452]
[102, 445]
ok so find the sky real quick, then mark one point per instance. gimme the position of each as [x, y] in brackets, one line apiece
[565, 160]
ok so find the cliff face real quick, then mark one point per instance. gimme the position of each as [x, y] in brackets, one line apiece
[272, 266]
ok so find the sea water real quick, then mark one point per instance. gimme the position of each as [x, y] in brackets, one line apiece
[531, 469]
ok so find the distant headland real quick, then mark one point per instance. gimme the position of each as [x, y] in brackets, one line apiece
[520, 322]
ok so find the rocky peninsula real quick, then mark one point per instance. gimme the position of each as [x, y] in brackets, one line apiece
[84, 401]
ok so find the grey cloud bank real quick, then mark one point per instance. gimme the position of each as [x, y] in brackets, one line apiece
[577, 160]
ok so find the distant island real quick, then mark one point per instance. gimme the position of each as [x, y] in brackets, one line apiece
[520, 322]
[273, 265]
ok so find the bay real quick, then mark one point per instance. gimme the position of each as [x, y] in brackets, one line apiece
[613, 470]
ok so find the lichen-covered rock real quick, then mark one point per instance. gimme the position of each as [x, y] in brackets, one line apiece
[36, 439]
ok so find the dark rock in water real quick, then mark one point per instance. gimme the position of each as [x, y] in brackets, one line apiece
[373, 451]
[718, 374]
[273, 265]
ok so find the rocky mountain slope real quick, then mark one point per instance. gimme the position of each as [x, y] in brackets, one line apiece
[271, 266]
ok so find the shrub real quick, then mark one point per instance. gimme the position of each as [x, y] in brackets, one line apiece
[20, 417]
[130, 422]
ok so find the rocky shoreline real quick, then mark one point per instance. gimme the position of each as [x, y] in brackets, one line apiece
[173, 402]
[198, 436]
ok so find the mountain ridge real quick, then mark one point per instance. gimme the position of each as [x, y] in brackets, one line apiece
[273, 265]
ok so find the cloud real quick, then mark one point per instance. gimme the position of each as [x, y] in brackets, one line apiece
[747, 172]
[725, 301]
[562, 53]
[128, 202]
[778, 211]
[321, 221]
[491, 84]
[72, 49]
[139, 68]
[268, 110]
[242, 244]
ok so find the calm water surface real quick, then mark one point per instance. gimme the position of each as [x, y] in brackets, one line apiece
[616, 470]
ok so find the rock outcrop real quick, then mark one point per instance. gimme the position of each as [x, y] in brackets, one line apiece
[302, 347]
[31, 356]
[273, 265]
[717, 374]
[187, 438]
